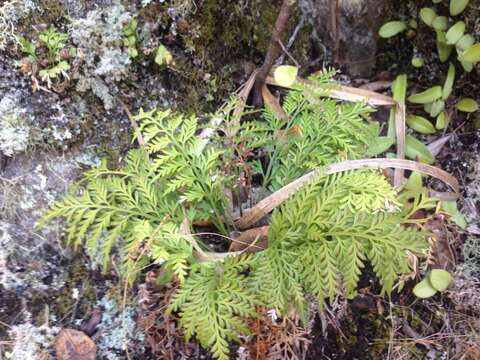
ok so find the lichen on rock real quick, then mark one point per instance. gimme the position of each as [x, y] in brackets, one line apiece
[101, 58]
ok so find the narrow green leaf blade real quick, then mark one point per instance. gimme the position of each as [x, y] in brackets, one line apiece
[415, 149]
[448, 85]
[427, 96]
[420, 124]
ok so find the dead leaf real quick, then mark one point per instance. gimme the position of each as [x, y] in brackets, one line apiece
[72, 344]
[251, 240]
[273, 104]
[436, 146]
[376, 85]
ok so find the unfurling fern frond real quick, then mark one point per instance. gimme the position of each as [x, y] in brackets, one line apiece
[213, 302]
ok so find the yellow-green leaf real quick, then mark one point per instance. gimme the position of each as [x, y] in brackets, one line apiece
[455, 33]
[465, 42]
[472, 54]
[424, 289]
[427, 96]
[399, 88]
[418, 61]
[442, 120]
[428, 15]
[415, 149]
[285, 75]
[420, 124]
[163, 56]
[467, 66]
[448, 85]
[440, 279]
[440, 23]
[457, 6]
[467, 105]
[392, 28]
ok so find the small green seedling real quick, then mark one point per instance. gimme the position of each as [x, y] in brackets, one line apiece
[438, 280]
[130, 38]
[54, 40]
[163, 56]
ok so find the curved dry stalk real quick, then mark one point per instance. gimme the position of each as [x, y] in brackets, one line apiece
[252, 215]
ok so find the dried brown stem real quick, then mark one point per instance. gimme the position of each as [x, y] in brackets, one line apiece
[274, 50]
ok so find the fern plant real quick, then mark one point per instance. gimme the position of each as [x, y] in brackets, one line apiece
[319, 131]
[319, 240]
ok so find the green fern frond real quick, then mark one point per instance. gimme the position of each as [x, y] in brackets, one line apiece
[327, 232]
[212, 302]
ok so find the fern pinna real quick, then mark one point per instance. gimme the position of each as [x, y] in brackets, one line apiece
[319, 240]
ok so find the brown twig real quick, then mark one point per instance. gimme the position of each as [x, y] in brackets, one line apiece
[134, 124]
[274, 50]
[334, 29]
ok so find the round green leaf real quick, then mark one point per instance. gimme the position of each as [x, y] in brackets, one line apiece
[392, 28]
[455, 33]
[440, 23]
[427, 96]
[457, 6]
[472, 54]
[442, 120]
[440, 279]
[467, 105]
[424, 289]
[420, 124]
[465, 42]
[285, 75]
[415, 149]
[428, 15]
[418, 61]
[448, 86]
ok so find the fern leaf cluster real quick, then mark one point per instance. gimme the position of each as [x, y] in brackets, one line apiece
[319, 131]
[319, 240]
[324, 239]
[213, 301]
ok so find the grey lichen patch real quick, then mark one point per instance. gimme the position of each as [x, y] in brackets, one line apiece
[14, 130]
[100, 55]
[117, 331]
[31, 342]
[11, 12]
